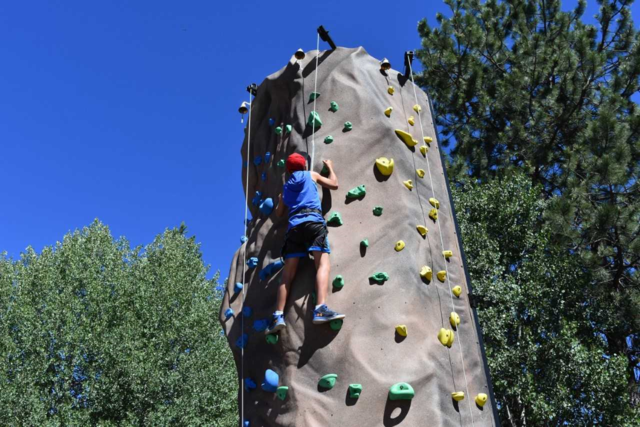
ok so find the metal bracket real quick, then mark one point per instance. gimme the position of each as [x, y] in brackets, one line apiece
[324, 35]
[252, 89]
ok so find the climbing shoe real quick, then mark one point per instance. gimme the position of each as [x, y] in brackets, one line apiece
[277, 324]
[323, 314]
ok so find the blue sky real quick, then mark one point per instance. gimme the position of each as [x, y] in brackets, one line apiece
[127, 111]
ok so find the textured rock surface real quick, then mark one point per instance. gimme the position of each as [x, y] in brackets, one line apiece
[364, 350]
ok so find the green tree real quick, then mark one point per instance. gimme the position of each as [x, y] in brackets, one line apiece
[97, 333]
[522, 85]
[547, 359]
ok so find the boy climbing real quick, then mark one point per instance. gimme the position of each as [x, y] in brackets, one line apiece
[307, 232]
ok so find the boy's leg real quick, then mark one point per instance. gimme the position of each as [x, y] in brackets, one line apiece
[322, 313]
[323, 268]
[288, 274]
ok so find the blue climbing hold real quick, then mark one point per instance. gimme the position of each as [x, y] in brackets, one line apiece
[247, 424]
[238, 287]
[266, 206]
[260, 325]
[252, 262]
[271, 380]
[272, 122]
[257, 160]
[249, 384]
[243, 239]
[267, 157]
[242, 341]
[257, 199]
[263, 176]
[228, 312]
[246, 312]
[245, 163]
[271, 268]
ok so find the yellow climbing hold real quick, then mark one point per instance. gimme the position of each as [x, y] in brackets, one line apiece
[434, 202]
[427, 140]
[388, 111]
[423, 150]
[401, 330]
[447, 254]
[406, 138]
[457, 395]
[390, 89]
[454, 319]
[420, 172]
[422, 230]
[481, 399]
[408, 183]
[384, 165]
[446, 337]
[442, 275]
[457, 290]
[399, 245]
[433, 214]
[426, 273]
[417, 108]
[411, 121]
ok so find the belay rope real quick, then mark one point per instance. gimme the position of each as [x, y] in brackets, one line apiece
[315, 91]
[244, 269]
[433, 191]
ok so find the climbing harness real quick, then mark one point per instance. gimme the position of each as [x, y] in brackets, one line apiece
[444, 256]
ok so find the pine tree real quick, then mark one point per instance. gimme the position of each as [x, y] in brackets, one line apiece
[523, 85]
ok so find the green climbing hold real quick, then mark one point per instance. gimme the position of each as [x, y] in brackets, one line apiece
[328, 139]
[335, 219]
[338, 282]
[348, 125]
[401, 391]
[288, 129]
[365, 243]
[334, 106]
[281, 164]
[313, 96]
[278, 130]
[328, 381]
[272, 338]
[314, 120]
[324, 171]
[357, 192]
[355, 390]
[379, 277]
[336, 324]
[282, 391]
[377, 211]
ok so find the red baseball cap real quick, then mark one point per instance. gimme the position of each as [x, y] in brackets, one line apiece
[295, 162]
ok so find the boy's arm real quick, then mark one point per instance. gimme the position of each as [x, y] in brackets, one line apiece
[330, 182]
[281, 208]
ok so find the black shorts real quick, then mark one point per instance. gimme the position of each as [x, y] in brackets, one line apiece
[304, 238]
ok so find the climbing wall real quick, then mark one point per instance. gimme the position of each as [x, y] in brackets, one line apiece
[399, 282]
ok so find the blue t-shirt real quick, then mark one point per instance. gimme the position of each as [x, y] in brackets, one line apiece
[301, 192]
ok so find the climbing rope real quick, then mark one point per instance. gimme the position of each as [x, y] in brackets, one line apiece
[244, 268]
[415, 94]
[315, 90]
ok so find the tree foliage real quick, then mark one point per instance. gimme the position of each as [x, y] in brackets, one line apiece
[523, 85]
[97, 333]
[547, 359]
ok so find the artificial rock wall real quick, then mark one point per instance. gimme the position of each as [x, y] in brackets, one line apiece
[367, 349]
